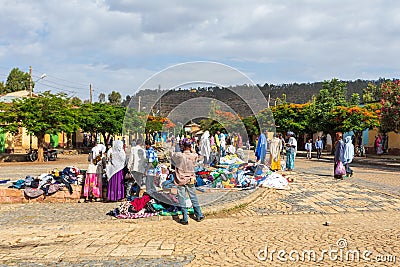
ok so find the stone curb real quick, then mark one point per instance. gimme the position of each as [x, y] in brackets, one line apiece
[213, 210]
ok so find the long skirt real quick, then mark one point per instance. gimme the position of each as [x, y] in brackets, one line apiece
[115, 188]
[275, 165]
[290, 156]
[93, 186]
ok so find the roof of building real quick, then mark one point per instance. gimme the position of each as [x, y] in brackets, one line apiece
[8, 98]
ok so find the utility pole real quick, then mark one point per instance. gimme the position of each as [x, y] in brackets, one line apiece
[159, 104]
[139, 104]
[91, 93]
[30, 81]
[269, 99]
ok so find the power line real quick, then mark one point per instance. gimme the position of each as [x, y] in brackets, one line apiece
[63, 85]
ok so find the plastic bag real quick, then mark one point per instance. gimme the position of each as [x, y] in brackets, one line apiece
[340, 170]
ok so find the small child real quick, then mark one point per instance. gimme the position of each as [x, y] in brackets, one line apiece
[308, 148]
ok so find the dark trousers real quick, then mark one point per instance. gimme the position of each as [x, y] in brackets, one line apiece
[319, 152]
[348, 170]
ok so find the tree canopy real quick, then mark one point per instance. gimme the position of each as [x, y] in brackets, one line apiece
[390, 113]
[17, 80]
[45, 114]
[115, 98]
[102, 118]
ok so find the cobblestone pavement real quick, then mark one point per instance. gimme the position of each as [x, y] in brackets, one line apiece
[362, 221]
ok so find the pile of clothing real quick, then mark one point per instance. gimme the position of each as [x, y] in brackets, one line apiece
[48, 183]
[240, 175]
[148, 206]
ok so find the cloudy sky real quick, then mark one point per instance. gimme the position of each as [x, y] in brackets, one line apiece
[118, 44]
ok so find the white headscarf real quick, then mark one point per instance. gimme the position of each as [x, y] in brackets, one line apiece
[348, 150]
[117, 159]
[96, 150]
[275, 148]
[205, 147]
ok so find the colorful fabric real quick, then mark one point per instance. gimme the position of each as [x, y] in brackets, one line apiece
[93, 185]
[175, 213]
[276, 163]
[261, 149]
[131, 215]
[140, 202]
[151, 155]
[116, 188]
[290, 158]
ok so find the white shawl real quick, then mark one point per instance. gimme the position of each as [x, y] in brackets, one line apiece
[205, 147]
[117, 158]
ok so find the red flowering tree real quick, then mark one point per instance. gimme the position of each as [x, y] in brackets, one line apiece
[354, 118]
[156, 124]
[390, 112]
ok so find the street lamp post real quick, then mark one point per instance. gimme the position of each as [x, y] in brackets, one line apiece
[30, 80]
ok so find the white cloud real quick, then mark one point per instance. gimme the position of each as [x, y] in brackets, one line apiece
[119, 44]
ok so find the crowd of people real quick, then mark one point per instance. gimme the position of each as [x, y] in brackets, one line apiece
[125, 176]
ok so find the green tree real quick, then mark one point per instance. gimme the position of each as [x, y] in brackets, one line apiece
[127, 100]
[76, 101]
[17, 80]
[292, 117]
[115, 98]
[371, 93]
[251, 125]
[2, 88]
[355, 99]
[45, 114]
[102, 98]
[332, 94]
[134, 121]
[390, 112]
[102, 118]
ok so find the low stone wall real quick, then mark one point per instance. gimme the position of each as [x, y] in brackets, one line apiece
[6, 157]
[10, 195]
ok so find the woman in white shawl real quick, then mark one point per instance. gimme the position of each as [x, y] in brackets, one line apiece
[348, 155]
[115, 171]
[205, 146]
[275, 153]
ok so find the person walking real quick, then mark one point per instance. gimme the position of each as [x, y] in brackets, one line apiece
[308, 147]
[348, 156]
[185, 178]
[339, 153]
[319, 146]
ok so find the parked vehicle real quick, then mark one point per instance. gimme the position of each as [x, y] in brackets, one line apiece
[360, 151]
[32, 154]
[50, 154]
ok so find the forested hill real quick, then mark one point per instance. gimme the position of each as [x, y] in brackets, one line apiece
[295, 93]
